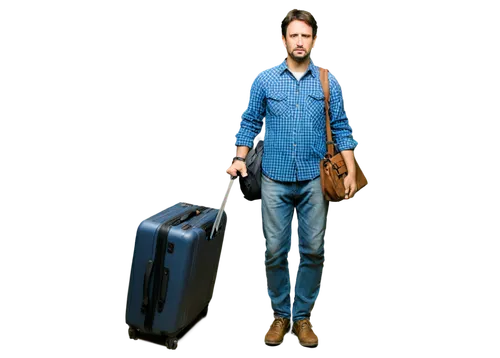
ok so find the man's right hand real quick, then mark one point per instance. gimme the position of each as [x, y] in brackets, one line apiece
[237, 166]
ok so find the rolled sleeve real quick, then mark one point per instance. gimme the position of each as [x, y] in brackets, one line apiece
[341, 130]
[251, 120]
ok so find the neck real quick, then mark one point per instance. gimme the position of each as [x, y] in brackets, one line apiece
[297, 66]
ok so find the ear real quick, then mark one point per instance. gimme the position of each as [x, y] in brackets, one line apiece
[314, 40]
[284, 40]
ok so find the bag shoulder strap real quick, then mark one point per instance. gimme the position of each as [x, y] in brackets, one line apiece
[323, 76]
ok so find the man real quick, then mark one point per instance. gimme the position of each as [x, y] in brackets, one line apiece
[291, 99]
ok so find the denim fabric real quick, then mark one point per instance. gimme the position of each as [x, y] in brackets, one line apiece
[279, 200]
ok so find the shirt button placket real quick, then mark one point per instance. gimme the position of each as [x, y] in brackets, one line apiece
[295, 126]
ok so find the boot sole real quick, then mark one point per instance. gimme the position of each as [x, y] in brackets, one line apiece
[273, 344]
[310, 347]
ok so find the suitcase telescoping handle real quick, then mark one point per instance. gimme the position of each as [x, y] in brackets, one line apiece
[223, 204]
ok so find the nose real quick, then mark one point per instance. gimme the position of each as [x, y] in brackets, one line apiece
[299, 41]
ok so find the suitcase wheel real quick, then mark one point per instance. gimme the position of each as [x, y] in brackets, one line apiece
[171, 343]
[132, 333]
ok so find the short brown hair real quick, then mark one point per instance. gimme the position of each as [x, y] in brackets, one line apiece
[300, 15]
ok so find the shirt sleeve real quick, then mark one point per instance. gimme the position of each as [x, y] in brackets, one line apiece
[251, 120]
[341, 130]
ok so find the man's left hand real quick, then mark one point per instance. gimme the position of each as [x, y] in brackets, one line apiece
[350, 186]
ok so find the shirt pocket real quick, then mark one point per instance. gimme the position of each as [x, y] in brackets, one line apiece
[277, 104]
[316, 111]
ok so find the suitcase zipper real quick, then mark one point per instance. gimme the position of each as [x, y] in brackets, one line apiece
[160, 274]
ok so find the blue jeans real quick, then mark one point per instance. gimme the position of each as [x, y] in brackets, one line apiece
[279, 199]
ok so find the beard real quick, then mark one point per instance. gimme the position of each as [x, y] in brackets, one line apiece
[301, 58]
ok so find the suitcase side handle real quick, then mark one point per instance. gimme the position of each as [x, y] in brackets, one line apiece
[147, 279]
[163, 290]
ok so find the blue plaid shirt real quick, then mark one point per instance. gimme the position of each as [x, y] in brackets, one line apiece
[295, 139]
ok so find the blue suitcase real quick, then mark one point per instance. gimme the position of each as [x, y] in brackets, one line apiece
[173, 272]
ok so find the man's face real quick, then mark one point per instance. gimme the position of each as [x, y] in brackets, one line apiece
[299, 40]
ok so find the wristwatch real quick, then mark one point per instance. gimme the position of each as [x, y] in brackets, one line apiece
[239, 158]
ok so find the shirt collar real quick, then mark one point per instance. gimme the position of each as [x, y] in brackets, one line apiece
[313, 69]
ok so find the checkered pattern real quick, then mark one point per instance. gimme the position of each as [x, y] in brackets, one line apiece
[295, 138]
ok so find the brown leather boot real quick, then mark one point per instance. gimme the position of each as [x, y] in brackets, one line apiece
[278, 329]
[303, 330]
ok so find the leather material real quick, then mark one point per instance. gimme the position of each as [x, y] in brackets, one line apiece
[303, 330]
[279, 328]
[332, 167]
